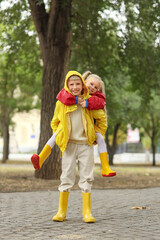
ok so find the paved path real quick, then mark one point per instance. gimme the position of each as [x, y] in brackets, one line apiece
[28, 216]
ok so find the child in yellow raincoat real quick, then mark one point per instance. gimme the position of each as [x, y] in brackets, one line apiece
[75, 135]
[96, 101]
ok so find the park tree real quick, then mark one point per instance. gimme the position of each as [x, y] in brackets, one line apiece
[125, 54]
[97, 47]
[53, 25]
[146, 118]
[149, 120]
[20, 68]
[52, 22]
[141, 55]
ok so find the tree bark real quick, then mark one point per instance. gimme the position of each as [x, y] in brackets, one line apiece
[112, 147]
[5, 119]
[5, 141]
[154, 154]
[151, 132]
[153, 146]
[54, 32]
[153, 141]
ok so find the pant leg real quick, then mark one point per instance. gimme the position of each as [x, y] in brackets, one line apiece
[68, 175]
[101, 143]
[86, 167]
[51, 142]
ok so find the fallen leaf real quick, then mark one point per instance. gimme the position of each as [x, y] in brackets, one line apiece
[139, 207]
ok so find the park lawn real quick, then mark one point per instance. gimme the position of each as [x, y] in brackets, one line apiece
[20, 178]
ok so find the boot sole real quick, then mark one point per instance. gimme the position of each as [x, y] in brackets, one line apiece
[109, 175]
[89, 221]
[58, 220]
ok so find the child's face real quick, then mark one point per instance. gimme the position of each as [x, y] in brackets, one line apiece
[75, 86]
[93, 85]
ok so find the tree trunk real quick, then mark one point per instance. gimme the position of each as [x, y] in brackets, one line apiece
[112, 148]
[153, 137]
[5, 141]
[54, 32]
[152, 132]
[5, 119]
[111, 155]
[153, 152]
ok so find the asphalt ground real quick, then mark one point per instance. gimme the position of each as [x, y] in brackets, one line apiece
[119, 214]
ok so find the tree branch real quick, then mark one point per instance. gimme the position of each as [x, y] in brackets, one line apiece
[59, 17]
[40, 18]
[53, 14]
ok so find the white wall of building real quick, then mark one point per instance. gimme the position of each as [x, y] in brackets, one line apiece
[24, 135]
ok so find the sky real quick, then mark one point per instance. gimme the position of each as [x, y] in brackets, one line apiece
[6, 4]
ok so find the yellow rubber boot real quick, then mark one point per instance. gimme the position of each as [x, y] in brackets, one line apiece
[63, 202]
[44, 154]
[38, 160]
[87, 215]
[106, 171]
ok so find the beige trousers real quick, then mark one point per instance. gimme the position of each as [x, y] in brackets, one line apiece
[83, 155]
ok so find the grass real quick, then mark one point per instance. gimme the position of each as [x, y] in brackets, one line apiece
[17, 177]
[129, 170]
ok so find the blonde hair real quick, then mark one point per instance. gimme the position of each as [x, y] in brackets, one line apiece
[74, 77]
[86, 75]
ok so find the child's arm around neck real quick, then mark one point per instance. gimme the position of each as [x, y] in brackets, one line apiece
[95, 102]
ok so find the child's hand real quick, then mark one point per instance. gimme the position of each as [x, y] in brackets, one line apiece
[83, 104]
[80, 100]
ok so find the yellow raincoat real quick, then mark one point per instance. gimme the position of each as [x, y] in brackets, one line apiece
[61, 123]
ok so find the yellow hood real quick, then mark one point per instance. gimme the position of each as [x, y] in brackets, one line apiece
[85, 94]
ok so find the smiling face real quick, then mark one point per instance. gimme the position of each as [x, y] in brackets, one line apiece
[93, 84]
[75, 86]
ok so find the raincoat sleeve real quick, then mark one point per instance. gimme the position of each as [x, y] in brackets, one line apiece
[55, 120]
[66, 98]
[101, 121]
[97, 101]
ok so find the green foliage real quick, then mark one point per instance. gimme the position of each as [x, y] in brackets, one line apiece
[142, 50]
[97, 47]
[20, 72]
[125, 56]
[141, 55]
[94, 42]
